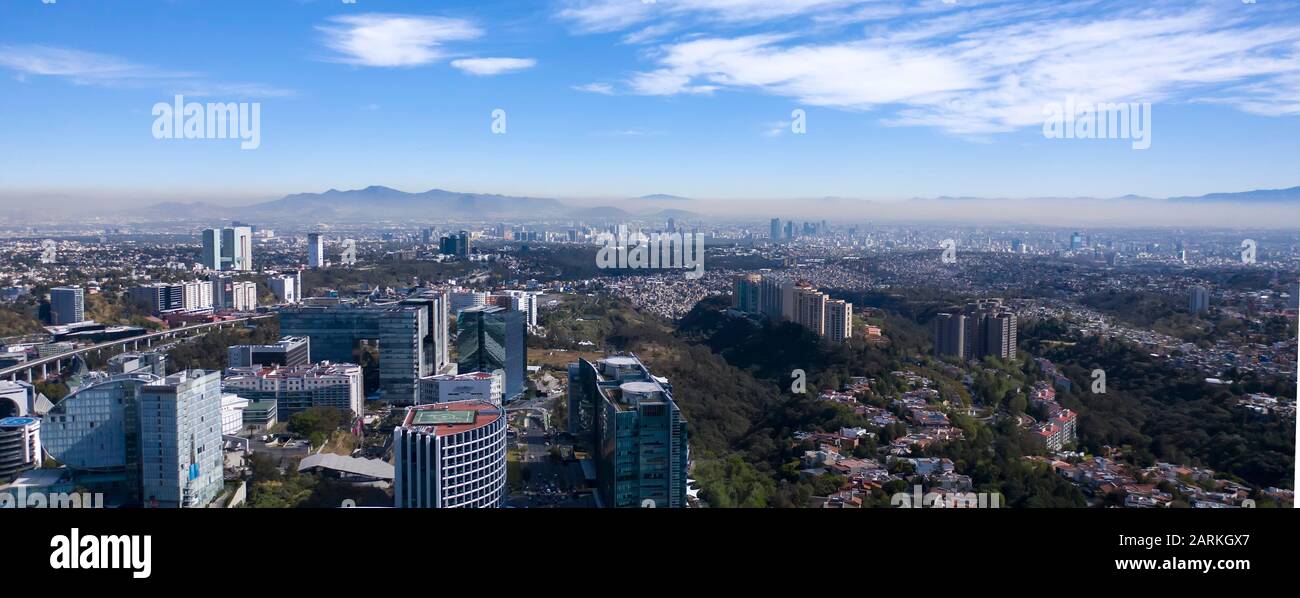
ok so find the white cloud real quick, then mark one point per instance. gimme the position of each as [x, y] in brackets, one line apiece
[391, 40]
[992, 68]
[600, 88]
[103, 70]
[597, 16]
[493, 66]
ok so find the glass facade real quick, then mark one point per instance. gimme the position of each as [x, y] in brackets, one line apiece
[490, 339]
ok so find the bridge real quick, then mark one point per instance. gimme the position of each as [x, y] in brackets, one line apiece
[27, 368]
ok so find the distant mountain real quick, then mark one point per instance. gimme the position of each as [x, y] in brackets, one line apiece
[1257, 196]
[600, 212]
[384, 202]
[664, 197]
[675, 213]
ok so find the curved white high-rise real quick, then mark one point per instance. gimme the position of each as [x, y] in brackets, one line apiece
[451, 455]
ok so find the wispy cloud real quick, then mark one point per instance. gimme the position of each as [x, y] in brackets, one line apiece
[90, 68]
[493, 66]
[965, 69]
[600, 88]
[392, 40]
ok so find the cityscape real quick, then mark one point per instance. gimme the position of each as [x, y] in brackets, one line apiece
[454, 271]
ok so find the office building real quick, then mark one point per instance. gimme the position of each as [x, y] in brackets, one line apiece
[775, 233]
[288, 351]
[1198, 299]
[462, 300]
[180, 440]
[315, 250]
[285, 288]
[747, 290]
[67, 305]
[450, 455]
[164, 298]
[449, 388]
[490, 338]
[839, 321]
[457, 244]
[95, 432]
[401, 331]
[152, 362]
[523, 301]
[237, 248]
[641, 452]
[232, 414]
[260, 417]
[20, 446]
[299, 388]
[437, 345]
[238, 295]
[211, 254]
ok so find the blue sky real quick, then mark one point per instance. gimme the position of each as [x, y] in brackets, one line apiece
[621, 98]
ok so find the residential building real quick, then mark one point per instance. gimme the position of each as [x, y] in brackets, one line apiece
[1199, 299]
[839, 321]
[238, 295]
[450, 455]
[747, 291]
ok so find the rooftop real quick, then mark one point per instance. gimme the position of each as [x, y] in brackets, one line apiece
[445, 419]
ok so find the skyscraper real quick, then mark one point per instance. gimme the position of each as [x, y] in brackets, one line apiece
[285, 288]
[839, 321]
[639, 433]
[180, 439]
[1198, 299]
[747, 292]
[950, 336]
[237, 248]
[775, 233]
[67, 305]
[211, 257]
[315, 250]
[490, 338]
[984, 328]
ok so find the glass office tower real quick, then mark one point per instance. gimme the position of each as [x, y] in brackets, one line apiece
[491, 338]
